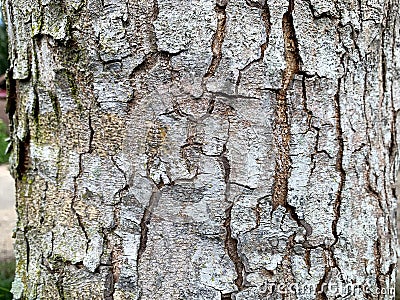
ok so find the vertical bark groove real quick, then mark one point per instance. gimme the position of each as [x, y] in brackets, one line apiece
[144, 229]
[74, 199]
[231, 244]
[266, 17]
[218, 40]
[339, 162]
[338, 201]
[282, 126]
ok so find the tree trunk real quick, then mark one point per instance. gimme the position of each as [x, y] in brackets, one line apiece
[197, 150]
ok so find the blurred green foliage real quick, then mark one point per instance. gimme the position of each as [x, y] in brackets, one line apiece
[3, 143]
[3, 49]
[7, 269]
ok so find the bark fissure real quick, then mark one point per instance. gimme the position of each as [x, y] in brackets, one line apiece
[147, 64]
[320, 292]
[26, 239]
[308, 112]
[307, 260]
[122, 189]
[288, 267]
[75, 197]
[144, 229]
[339, 162]
[330, 263]
[383, 66]
[231, 243]
[338, 201]
[24, 158]
[325, 14]
[231, 246]
[152, 30]
[378, 264]
[218, 40]
[300, 222]
[393, 148]
[151, 59]
[370, 189]
[282, 126]
[91, 131]
[383, 92]
[60, 287]
[35, 84]
[266, 19]
[393, 145]
[115, 255]
[76, 188]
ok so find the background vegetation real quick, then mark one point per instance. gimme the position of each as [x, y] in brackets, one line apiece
[6, 277]
[3, 49]
[3, 143]
[7, 267]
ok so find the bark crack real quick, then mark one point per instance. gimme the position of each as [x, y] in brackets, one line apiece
[80, 168]
[305, 106]
[378, 264]
[316, 16]
[231, 243]
[78, 217]
[266, 18]
[218, 39]
[338, 201]
[339, 162]
[144, 229]
[116, 252]
[282, 126]
[320, 292]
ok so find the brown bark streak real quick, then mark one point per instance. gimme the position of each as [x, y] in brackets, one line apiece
[282, 126]
[218, 39]
[266, 17]
[339, 162]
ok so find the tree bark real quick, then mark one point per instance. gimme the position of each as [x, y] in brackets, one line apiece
[204, 150]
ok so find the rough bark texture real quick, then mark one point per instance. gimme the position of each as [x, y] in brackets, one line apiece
[204, 150]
